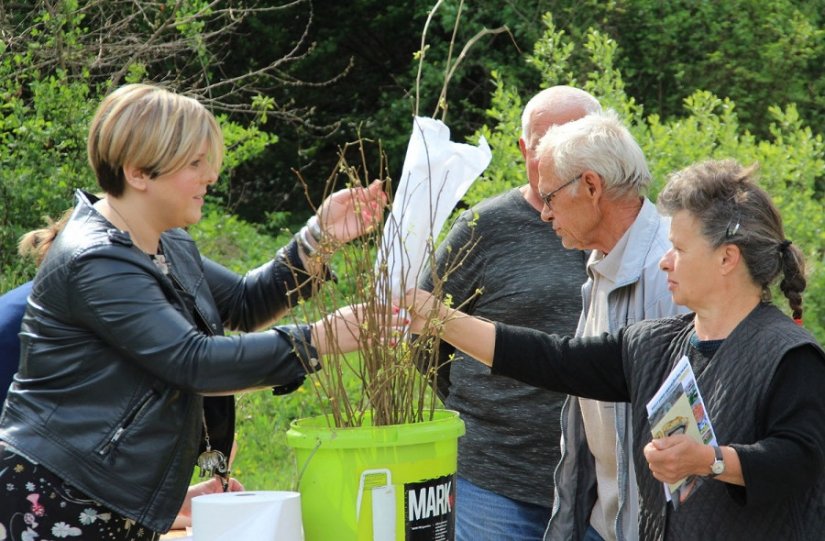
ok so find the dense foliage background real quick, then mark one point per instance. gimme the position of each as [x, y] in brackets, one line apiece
[292, 83]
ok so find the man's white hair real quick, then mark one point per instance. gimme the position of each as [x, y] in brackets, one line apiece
[598, 142]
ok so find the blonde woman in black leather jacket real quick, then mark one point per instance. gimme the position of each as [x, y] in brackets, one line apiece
[125, 369]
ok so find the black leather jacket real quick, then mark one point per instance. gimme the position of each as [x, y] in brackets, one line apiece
[116, 358]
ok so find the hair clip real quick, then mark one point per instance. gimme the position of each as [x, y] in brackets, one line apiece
[732, 229]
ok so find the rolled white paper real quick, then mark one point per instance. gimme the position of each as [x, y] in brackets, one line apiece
[247, 516]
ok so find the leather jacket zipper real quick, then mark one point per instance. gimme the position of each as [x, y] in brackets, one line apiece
[134, 415]
[137, 412]
[197, 311]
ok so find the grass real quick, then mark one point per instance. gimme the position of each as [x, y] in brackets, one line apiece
[263, 461]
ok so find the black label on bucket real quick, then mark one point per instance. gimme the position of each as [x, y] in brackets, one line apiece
[428, 509]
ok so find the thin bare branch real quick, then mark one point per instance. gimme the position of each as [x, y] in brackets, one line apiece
[422, 53]
[442, 98]
[172, 44]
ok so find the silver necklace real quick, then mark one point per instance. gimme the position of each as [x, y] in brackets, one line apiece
[211, 462]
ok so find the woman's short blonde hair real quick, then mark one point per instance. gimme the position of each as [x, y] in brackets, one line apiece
[151, 128]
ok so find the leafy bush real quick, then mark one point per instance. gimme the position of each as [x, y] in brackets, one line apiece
[791, 158]
[44, 115]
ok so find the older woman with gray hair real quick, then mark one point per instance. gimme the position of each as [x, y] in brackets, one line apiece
[761, 374]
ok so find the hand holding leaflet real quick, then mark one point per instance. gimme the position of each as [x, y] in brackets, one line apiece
[678, 408]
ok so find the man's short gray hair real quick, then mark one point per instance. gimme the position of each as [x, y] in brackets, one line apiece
[598, 142]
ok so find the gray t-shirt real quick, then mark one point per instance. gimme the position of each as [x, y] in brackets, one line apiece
[512, 442]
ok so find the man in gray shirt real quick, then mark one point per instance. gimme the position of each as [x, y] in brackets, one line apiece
[525, 277]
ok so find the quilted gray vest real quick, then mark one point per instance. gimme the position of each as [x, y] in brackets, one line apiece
[734, 387]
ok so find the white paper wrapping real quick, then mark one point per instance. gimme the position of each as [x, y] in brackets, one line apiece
[247, 516]
[436, 174]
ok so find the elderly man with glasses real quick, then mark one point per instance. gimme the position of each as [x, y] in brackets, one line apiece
[592, 180]
[525, 277]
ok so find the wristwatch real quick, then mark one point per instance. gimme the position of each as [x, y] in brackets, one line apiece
[718, 466]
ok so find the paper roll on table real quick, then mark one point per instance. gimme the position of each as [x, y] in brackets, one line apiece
[248, 516]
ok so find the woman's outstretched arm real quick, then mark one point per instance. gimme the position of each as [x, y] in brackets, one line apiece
[588, 367]
[472, 335]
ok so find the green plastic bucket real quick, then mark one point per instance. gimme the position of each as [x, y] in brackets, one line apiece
[385, 483]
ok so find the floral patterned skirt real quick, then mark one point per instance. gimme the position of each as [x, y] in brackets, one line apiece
[36, 505]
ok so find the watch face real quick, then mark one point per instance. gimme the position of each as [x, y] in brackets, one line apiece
[718, 465]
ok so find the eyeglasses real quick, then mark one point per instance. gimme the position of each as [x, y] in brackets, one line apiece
[548, 198]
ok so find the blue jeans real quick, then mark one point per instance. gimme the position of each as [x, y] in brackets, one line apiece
[591, 535]
[482, 515]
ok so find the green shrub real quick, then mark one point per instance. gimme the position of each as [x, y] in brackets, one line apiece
[791, 159]
[44, 116]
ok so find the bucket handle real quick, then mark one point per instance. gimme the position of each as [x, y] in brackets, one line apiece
[364, 475]
[306, 464]
[383, 504]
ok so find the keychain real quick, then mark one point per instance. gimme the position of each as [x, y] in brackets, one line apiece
[212, 463]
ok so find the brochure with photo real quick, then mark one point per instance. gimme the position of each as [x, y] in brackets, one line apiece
[677, 408]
